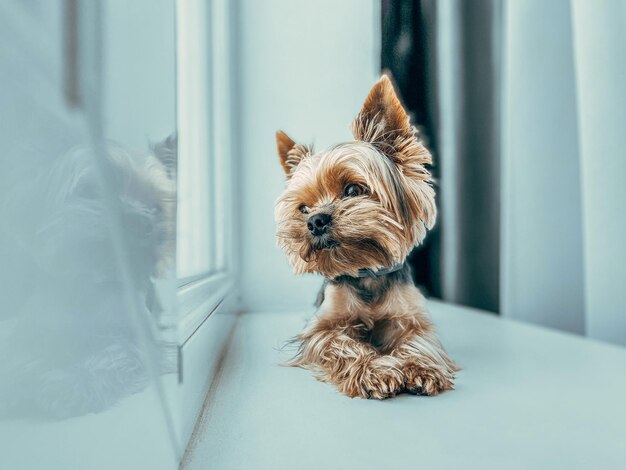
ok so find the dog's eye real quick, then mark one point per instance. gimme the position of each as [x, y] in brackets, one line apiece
[353, 190]
[304, 209]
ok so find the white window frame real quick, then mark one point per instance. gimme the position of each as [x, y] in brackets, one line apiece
[205, 26]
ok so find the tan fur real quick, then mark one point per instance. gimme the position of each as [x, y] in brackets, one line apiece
[371, 337]
[337, 346]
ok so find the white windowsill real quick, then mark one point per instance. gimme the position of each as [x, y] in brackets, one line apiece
[527, 397]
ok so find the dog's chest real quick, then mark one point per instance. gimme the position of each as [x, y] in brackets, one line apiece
[368, 299]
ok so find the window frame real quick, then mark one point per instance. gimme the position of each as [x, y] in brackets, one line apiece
[202, 295]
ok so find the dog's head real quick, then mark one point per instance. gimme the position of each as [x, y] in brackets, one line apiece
[361, 204]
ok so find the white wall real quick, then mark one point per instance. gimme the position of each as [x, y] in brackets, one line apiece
[542, 270]
[600, 47]
[306, 68]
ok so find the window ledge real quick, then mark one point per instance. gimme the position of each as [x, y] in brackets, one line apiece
[527, 397]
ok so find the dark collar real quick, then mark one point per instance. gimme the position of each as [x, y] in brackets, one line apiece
[379, 272]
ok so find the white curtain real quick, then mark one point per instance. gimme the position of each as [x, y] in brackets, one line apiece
[563, 234]
[600, 52]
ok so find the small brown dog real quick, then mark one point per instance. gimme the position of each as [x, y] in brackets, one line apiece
[353, 213]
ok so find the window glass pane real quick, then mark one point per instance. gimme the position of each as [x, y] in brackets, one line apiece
[221, 92]
[195, 232]
[86, 232]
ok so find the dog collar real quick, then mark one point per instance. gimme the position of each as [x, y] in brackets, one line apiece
[366, 272]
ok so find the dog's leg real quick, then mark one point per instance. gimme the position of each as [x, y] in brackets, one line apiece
[334, 351]
[408, 342]
[427, 368]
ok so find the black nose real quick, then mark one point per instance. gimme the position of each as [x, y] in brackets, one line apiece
[318, 224]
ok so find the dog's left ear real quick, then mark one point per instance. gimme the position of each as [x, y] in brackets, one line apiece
[383, 121]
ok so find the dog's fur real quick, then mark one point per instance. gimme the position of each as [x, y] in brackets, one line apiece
[371, 337]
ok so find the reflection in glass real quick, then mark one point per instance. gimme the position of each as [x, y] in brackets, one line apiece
[69, 343]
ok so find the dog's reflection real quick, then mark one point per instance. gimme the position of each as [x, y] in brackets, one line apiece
[68, 344]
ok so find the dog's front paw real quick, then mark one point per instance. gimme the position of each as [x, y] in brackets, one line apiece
[373, 380]
[422, 380]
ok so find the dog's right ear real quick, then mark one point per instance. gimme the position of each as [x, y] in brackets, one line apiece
[290, 153]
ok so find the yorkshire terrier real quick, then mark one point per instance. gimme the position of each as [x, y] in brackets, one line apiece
[353, 213]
